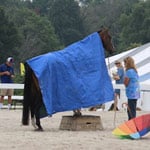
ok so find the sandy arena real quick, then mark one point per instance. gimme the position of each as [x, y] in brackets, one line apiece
[14, 136]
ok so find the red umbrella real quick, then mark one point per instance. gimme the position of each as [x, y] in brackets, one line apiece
[134, 128]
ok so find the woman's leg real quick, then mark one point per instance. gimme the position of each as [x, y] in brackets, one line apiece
[131, 108]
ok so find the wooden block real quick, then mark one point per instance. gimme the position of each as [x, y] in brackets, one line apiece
[82, 123]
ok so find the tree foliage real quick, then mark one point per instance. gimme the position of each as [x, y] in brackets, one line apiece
[136, 25]
[9, 37]
[66, 18]
[30, 28]
[38, 35]
[38, 6]
[128, 20]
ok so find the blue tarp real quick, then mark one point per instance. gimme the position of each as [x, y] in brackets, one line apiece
[75, 77]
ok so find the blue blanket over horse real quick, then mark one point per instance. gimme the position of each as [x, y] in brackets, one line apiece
[75, 77]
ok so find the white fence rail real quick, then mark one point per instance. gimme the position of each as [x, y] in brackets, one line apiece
[11, 86]
[143, 102]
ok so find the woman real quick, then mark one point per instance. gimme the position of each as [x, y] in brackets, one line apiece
[119, 78]
[131, 82]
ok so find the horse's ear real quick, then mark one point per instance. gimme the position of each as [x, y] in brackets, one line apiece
[105, 29]
[102, 29]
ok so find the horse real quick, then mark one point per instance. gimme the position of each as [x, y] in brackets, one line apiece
[33, 102]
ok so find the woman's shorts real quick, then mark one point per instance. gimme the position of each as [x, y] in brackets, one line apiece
[117, 91]
[7, 92]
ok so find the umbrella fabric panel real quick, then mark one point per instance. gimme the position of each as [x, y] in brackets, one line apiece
[119, 132]
[131, 125]
[142, 122]
[125, 128]
[134, 128]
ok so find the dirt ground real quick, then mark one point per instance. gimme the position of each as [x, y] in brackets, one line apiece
[14, 136]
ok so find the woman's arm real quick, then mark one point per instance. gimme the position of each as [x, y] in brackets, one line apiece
[116, 77]
[126, 81]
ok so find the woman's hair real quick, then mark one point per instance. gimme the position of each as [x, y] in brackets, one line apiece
[119, 62]
[129, 63]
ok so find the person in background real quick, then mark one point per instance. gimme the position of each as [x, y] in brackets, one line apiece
[6, 76]
[119, 78]
[131, 82]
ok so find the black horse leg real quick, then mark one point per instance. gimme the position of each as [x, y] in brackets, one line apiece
[77, 113]
[38, 123]
[37, 111]
[35, 105]
[35, 118]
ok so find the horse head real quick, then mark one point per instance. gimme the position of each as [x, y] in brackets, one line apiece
[106, 40]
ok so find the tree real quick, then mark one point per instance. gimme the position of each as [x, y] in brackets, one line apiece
[9, 37]
[38, 35]
[109, 13]
[67, 21]
[40, 6]
[87, 3]
[135, 26]
[11, 3]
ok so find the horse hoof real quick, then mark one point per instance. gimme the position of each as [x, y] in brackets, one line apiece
[77, 114]
[39, 129]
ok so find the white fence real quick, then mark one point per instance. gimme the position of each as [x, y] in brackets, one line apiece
[143, 102]
[15, 98]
